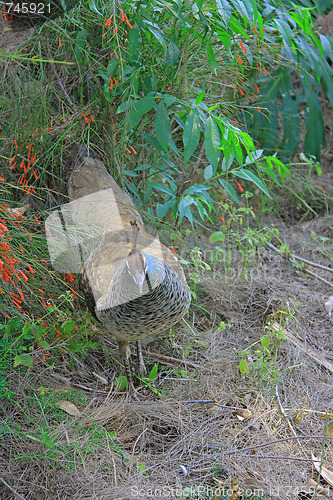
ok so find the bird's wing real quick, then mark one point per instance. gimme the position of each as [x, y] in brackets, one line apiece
[91, 183]
[105, 215]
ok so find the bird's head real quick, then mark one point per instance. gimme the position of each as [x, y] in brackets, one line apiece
[137, 265]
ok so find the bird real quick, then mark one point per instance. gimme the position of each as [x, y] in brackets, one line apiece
[132, 283]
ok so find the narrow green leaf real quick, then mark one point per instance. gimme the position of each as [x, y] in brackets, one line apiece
[93, 7]
[265, 342]
[138, 110]
[43, 344]
[17, 360]
[211, 57]
[153, 141]
[285, 31]
[68, 325]
[153, 372]
[26, 329]
[163, 126]
[121, 382]
[79, 43]
[164, 189]
[163, 209]
[224, 8]
[132, 46]
[250, 176]
[212, 142]
[228, 187]
[243, 366]
[200, 97]
[225, 39]
[315, 132]
[191, 134]
[208, 173]
[217, 236]
[237, 27]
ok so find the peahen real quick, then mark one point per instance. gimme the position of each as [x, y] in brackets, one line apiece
[132, 283]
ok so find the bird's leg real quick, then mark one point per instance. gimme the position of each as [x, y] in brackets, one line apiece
[141, 366]
[125, 353]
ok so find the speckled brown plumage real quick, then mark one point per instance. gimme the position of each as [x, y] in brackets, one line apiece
[132, 283]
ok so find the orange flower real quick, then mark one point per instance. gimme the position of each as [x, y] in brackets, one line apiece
[24, 276]
[86, 120]
[128, 23]
[30, 269]
[240, 187]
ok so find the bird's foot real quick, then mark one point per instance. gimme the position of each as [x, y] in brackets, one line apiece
[141, 366]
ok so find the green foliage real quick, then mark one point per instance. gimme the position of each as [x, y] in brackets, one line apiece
[121, 382]
[139, 65]
[303, 57]
[158, 34]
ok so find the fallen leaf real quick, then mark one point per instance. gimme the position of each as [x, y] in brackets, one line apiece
[326, 474]
[311, 486]
[298, 417]
[100, 378]
[184, 470]
[18, 210]
[329, 306]
[69, 408]
[236, 491]
[329, 429]
[243, 414]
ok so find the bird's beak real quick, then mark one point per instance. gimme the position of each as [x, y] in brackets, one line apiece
[139, 278]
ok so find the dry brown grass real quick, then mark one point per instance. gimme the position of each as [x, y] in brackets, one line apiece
[191, 438]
